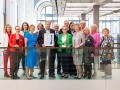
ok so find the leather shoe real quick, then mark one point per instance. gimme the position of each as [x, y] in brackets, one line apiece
[42, 76]
[59, 73]
[53, 76]
[84, 76]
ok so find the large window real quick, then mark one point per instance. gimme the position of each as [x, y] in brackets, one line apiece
[47, 14]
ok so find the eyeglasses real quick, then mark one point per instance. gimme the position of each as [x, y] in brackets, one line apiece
[17, 29]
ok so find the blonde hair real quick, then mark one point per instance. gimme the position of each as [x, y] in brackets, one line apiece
[86, 28]
[83, 22]
[5, 29]
[41, 25]
[77, 25]
[95, 26]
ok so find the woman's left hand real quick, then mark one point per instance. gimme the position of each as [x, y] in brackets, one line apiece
[77, 46]
[92, 55]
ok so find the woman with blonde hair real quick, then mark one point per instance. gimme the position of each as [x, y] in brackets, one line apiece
[82, 25]
[39, 27]
[96, 37]
[6, 53]
[88, 54]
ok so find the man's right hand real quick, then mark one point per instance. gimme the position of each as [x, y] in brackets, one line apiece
[43, 45]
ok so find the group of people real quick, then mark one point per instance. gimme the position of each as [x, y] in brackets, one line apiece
[76, 52]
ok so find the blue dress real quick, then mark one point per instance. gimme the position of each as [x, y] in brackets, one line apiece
[31, 58]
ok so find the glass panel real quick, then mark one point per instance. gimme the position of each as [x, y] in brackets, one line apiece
[49, 10]
[42, 18]
[58, 57]
[48, 18]
[75, 18]
[43, 11]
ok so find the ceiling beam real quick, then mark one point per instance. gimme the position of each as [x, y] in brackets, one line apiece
[116, 11]
[97, 2]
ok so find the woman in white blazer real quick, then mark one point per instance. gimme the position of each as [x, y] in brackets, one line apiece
[6, 53]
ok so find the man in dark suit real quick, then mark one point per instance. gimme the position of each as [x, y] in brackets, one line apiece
[66, 23]
[56, 54]
[44, 52]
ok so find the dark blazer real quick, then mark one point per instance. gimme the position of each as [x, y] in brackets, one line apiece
[56, 39]
[41, 41]
[41, 36]
[69, 31]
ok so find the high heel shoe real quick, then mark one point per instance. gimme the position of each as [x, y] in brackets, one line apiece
[28, 78]
[33, 76]
[63, 75]
[66, 76]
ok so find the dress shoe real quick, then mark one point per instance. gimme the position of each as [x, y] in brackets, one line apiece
[42, 76]
[16, 77]
[59, 73]
[39, 73]
[51, 75]
[84, 76]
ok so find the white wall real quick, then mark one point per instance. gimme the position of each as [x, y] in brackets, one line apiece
[1, 16]
[26, 12]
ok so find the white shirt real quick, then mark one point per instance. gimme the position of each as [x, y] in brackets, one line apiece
[63, 40]
[47, 31]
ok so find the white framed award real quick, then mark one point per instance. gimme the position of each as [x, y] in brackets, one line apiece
[48, 39]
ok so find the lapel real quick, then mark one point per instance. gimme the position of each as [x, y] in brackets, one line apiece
[19, 39]
[51, 31]
[67, 38]
[44, 31]
[15, 38]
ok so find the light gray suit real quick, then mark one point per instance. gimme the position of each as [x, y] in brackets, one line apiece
[78, 38]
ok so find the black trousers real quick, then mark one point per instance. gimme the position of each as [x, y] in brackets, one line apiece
[65, 57]
[88, 69]
[23, 61]
[59, 62]
[51, 60]
[16, 56]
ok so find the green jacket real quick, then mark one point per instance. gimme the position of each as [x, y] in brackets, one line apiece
[68, 42]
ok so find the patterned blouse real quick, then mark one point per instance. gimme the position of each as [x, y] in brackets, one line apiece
[107, 53]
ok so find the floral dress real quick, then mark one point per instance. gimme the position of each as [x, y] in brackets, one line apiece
[106, 53]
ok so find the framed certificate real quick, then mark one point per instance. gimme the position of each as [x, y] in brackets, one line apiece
[48, 39]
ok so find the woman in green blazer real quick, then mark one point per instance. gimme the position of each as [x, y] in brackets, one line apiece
[64, 40]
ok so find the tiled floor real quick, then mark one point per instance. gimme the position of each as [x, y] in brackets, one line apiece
[115, 76]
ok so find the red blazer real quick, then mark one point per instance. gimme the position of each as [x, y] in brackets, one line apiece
[12, 42]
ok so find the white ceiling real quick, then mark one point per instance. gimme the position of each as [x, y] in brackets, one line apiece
[77, 7]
